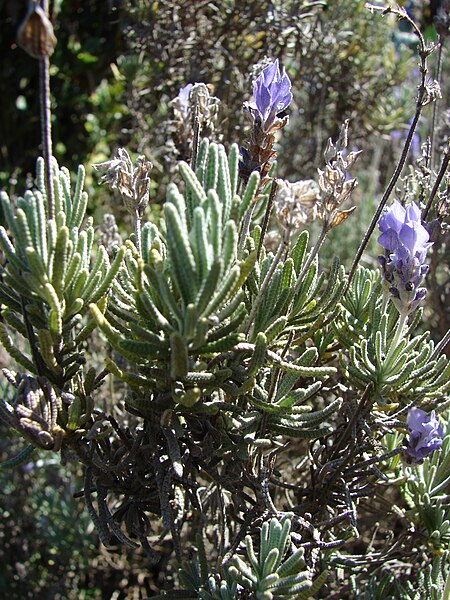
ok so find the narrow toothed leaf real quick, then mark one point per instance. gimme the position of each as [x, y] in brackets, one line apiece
[224, 185]
[215, 222]
[301, 432]
[212, 169]
[233, 167]
[13, 351]
[179, 359]
[59, 266]
[195, 194]
[79, 200]
[298, 252]
[180, 254]
[249, 194]
[259, 355]
[222, 345]
[202, 159]
[230, 237]
[200, 246]
[224, 291]
[107, 279]
[225, 329]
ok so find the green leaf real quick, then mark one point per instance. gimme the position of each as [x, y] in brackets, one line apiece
[181, 258]
[22, 456]
[179, 360]
[299, 250]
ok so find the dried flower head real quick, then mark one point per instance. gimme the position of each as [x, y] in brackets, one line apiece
[36, 34]
[109, 233]
[432, 91]
[296, 203]
[204, 106]
[406, 242]
[334, 181]
[132, 182]
[425, 435]
[194, 101]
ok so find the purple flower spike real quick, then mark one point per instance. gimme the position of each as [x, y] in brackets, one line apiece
[425, 434]
[272, 93]
[405, 243]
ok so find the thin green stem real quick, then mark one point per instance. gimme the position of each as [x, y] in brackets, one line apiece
[441, 346]
[435, 105]
[403, 318]
[137, 231]
[46, 129]
[437, 183]
[37, 358]
[245, 226]
[446, 594]
[46, 124]
[423, 53]
[196, 138]
[441, 486]
[386, 195]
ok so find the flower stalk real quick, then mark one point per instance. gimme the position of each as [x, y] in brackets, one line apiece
[424, 96]
[36, 37]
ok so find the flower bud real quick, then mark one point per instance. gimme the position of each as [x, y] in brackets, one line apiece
[36, 35]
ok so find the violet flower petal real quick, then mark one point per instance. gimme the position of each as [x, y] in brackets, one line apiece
[425, 434]
[272, 93]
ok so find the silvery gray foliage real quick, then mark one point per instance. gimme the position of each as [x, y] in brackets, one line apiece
[220, 390]
[266, 399]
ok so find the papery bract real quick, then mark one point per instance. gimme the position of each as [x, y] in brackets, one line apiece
[181, 102]
[296, 203]
[183, 94]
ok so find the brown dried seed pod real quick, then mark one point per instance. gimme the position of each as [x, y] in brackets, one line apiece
[36, 35]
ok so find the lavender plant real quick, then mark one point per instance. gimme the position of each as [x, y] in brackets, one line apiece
[267, 402]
